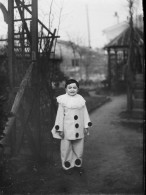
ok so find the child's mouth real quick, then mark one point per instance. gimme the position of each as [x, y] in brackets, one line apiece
[72, 92]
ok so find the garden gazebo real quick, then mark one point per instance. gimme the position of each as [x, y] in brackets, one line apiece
[117, 51]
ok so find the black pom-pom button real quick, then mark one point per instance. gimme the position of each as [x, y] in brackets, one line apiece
[89, 124]
[77, 125]
[75, 117]
[77, 135]
[67, 164]
[78, 162]
[57, 127]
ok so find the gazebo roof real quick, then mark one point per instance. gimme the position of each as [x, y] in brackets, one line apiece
[123, 39]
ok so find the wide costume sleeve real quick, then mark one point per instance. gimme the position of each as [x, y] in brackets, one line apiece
[59, 118]
[58, 122]
[87, 121]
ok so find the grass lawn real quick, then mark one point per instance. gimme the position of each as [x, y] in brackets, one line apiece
[94, 102]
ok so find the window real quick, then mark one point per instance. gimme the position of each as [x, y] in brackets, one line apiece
[75, 62]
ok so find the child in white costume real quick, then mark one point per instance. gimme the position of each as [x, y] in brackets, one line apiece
[72, 122]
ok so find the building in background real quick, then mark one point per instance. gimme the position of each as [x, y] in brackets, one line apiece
[113, 31]
[80, 62]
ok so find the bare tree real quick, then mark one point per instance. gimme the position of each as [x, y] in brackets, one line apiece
[84, 55]
[133, 57]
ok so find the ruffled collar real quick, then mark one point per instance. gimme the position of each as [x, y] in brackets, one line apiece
[68, 101]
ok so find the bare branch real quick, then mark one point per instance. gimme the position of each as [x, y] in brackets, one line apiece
[50, 12]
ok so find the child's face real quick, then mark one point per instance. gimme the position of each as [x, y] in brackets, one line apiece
[72, 89]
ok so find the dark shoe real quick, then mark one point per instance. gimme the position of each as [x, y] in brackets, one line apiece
[80, 170]
[68, 171]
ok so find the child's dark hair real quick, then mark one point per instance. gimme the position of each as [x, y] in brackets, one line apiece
[68, 82]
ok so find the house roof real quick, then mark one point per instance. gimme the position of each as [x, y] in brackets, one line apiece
[115, 29]
[123, 39]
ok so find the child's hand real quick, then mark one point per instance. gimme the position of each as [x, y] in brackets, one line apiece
[86, 131]
[61, 133]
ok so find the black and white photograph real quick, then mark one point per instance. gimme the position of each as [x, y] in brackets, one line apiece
[72, 97]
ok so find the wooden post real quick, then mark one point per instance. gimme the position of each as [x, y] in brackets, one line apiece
[36, 84]
[11, 42]
[116, 71]
[109, 69]
[34, 29]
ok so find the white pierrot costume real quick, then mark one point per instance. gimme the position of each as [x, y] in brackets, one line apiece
[72, 118]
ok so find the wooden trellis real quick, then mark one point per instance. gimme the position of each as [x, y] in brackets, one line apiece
[30, 76]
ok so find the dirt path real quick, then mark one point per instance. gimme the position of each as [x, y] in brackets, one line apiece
[113, 160]
[113, 155]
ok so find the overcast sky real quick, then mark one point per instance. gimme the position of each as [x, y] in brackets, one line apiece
[73, 16]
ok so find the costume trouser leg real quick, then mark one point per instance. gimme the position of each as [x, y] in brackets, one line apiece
[71, 153]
